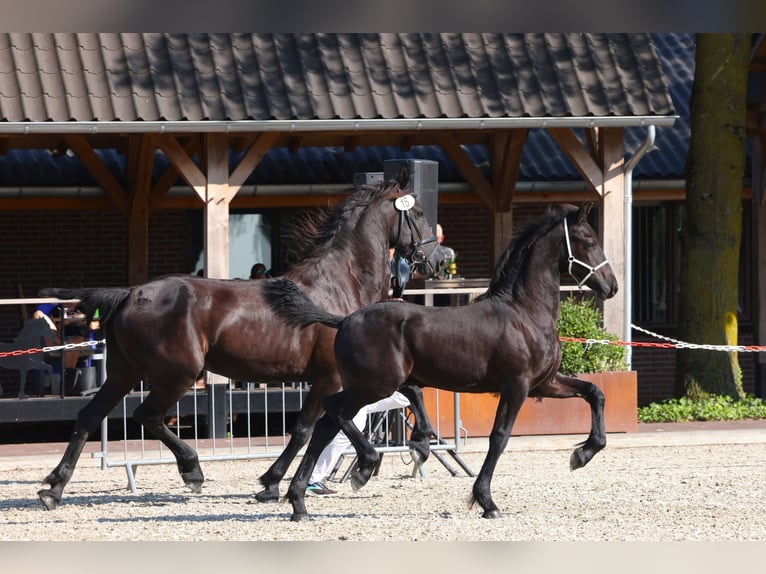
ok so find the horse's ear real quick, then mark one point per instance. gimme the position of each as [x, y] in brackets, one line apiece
[403, 179]
[582, 215]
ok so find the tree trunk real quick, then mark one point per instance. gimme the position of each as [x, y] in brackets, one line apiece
[712, 222]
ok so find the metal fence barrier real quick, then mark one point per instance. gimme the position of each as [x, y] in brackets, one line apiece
[206, 419]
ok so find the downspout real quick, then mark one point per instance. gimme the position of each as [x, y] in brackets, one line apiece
[628, 173]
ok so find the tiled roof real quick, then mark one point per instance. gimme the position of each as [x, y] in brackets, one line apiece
[198, 77]
[542, 160]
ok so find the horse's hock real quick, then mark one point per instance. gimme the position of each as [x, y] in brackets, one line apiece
[542, 417]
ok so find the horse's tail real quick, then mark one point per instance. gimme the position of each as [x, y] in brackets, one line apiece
[106, 299]
[288, 301]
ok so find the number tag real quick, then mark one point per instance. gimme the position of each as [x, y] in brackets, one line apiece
[405, 203]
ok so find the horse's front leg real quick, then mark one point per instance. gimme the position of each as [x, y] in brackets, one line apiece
[420, 438]
[562, 387]
[310, 412]
[510, 403]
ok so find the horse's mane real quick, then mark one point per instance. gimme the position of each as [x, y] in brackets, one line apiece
[311, 233]
[514, 261]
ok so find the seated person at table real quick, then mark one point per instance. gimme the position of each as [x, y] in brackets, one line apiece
[75, 328]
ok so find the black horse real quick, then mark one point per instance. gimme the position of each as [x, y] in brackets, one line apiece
[33, 334]
[505, 342]
[170, 329]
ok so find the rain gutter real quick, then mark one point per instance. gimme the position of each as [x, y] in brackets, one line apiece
[628, 173]
[335, 125]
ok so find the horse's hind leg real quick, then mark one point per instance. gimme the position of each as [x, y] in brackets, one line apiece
[299, 436]
[151, 414]
[88, 419]
[562, 387]
[343, 408]
[420, 438]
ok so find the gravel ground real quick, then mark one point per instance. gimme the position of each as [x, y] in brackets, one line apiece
[645, 493]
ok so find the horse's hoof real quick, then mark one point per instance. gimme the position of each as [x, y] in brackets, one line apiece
[267, 495]
[491, 514]
[577, 460]
[418, 457]
[298, 516]
[195, 487]
[357, 482]
[49, 501]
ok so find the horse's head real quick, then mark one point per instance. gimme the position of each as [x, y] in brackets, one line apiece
[582, 256]
[410, 235]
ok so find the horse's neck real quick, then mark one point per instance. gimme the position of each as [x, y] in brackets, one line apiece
[348, 277]
[541, 285]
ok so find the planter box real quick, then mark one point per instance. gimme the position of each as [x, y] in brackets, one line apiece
[540, 417]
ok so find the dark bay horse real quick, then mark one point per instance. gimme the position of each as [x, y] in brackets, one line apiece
[168, 330]
[505, 342]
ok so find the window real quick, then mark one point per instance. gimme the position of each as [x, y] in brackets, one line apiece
[250, 238]
[656, 263]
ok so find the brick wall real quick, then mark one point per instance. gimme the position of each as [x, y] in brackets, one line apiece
[468, 230]
[47, 249]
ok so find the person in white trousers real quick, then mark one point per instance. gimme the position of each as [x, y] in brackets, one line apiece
[329, 456]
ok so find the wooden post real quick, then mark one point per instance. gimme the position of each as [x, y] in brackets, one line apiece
[612, 224]
[140, 161]
[502, 233]
[216, 230]
[217, 208]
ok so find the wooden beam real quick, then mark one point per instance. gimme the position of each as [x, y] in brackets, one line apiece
[252, 158]
[103, 176]
[470, 172]
[260, 201]
[351, 143]
[170, 175]
[506, 164]
[183, 163]
[580, 158]
[294, 144]
[102, 203]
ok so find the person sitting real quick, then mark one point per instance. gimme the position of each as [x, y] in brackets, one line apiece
[259, 271]
[75, 330]
[331, 453]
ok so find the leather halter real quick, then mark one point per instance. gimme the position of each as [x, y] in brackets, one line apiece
[573, 259]
[415, 254]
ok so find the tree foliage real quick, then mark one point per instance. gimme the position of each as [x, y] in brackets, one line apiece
[712, 217]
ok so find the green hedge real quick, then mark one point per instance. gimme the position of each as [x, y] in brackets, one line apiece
[712, 408]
